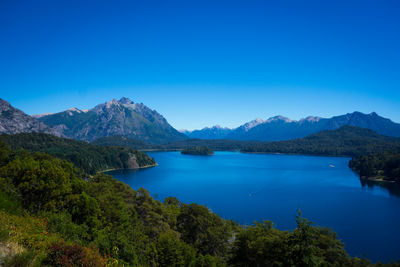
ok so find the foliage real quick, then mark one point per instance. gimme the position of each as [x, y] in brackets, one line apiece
[259, 245]
[172, 251]
[63, 254]
[206, 231]
[22, 259]
[43, 182]
[87, 157]
[198, 150]
[9, 203]
[29, 231]
[214, 144]
[307, 245]
[381, 165]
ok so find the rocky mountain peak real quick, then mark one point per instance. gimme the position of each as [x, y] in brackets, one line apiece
[278, 118]
[75, 110]
[125, 100]
[247, 126]
[310, 119]
[111, 103]
[4, 104]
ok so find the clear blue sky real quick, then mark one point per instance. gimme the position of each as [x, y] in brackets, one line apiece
[201, 63]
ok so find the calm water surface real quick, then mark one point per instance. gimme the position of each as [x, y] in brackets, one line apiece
[255, 187]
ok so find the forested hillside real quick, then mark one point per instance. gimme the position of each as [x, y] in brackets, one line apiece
[87, 157]
[119, 140]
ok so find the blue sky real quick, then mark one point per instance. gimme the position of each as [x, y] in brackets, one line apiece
[201, 63]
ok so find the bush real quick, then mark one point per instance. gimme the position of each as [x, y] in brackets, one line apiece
[63, 254]
[3, 233]
[9, 204]
[20, 260]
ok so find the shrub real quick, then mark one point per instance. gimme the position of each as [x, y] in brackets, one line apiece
[20, 260]
[64, 254]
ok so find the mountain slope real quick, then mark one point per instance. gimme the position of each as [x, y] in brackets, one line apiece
[371, 121]
[123, 117]
[14, 121]
[345, 141]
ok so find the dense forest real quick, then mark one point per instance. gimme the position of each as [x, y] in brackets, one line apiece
[217, 144]
[385, 166]
[119, 140]
[85, 156]
[345, 141]
[51, 216]
[198, 150]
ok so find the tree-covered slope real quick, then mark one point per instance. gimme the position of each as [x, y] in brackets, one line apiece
[120, 140]
[380, 166]
[347, 140]
[87, 157]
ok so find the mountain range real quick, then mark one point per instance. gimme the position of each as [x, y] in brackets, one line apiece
[281, 128]
[116, 117]
[138, 122]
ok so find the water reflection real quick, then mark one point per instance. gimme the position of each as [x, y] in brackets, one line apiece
[392, 188]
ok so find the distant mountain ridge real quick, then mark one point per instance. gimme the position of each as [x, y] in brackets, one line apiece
[215, 132]
[116, 117]
[280, 128]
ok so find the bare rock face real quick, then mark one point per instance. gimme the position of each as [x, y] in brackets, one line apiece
[13, 121]
[116, 117]
[132, 163]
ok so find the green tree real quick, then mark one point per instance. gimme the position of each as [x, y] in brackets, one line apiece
[203, 229]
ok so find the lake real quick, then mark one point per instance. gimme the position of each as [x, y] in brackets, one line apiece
[256, 187]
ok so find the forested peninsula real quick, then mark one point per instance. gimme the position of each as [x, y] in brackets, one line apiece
[85, 156]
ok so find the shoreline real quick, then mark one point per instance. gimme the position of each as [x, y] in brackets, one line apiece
[377, 180]
[116, 169]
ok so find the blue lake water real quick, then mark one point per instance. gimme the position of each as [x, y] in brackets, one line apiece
[256, 187]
